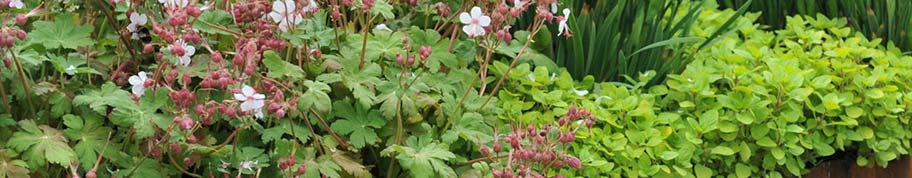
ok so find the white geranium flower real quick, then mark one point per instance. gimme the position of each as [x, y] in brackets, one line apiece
[136, 20]
[251, 101]
[138, 81]
[311, 6]
[518, 3]
[248, 164]
[284, 15]
[562, 25]
[474, 22]
[383, 27]
[174, 3]
[188, 52]
[16, 4]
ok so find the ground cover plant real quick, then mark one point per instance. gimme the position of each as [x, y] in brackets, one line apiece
[417, 88]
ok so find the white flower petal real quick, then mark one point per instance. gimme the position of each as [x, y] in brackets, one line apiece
[468, 30]
[184, 61]
[554, 8]
[289, 6]
[240, 97]
[484, 21]
[278, 6]
[276, 17]
[259, 96]
[476, 12]
[189, 51]
[16, 3]
[283, 25]
[138, 90]
[465, 18]
[247, 106]
[258, 113]
[142, 75]
[566, 13]
[383, 27]
[135, 80]
[131, 27]
[247, 90]
[257, 104]
[478, 30]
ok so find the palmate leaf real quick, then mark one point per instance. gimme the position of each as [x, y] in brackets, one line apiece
[89, 133]
[470, 126]
[107, 95]
[11, 168]
[351, 166]
[61, 33]
[40, 144]
[278, 68]
[360, 123]
[142, 116]
[424, 159]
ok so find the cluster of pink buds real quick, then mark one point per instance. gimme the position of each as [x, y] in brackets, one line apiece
[184, 122]
[442, 9]
[278, 105]
[249, 11]
[182, 98]
[290, 162]
[367, 4]
[9, 35]
[424, 52]
[544, 147]
[218, 79]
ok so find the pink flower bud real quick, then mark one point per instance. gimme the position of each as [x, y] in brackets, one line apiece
[193, 11]
[148, 83]
[302, 169]
[425, 52]
[280, 113]
[191, 138]
[317, 54]
[290, 160]
[177, 19]
[484, 150]
[514, 12]
[567, 137]
[21, 19]
[367, 4]
[336, 15]
[187, 124]
[411, 60]
[186, 79]
[91, 174]
[283, 165]
[148, 48]
[176, 149]
[573, 161]
[188, 161]
[497, 147]
[177, 50]
[216, 56]
[6, 62]
[399, 59]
